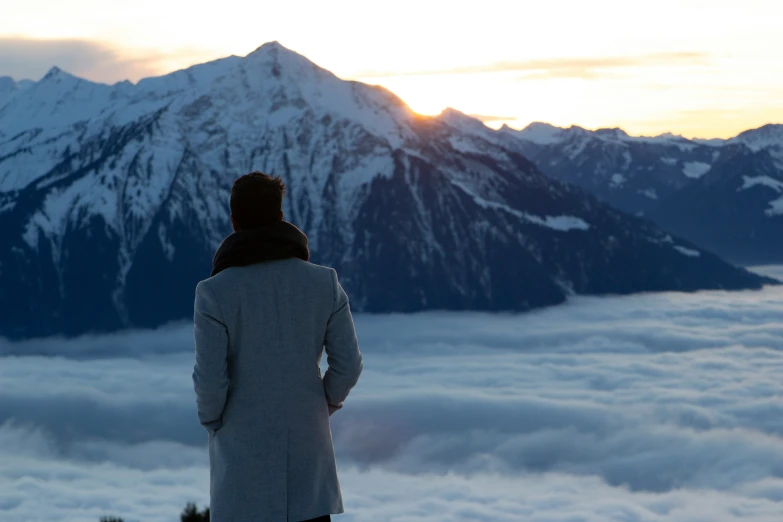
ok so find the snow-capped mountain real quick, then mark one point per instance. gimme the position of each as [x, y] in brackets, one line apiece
[724, 195]
[113, 199]
[737, 208]
[769, 138]
[631, 173]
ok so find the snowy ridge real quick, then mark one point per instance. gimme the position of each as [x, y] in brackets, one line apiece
[688, 251]
[678, 183]
[297, 92]
[768, 136]
[115, 197]
[764, 181]
[546, 134]
[559, 223]
[541, 133]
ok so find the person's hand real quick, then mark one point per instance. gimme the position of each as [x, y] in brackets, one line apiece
[214, 426]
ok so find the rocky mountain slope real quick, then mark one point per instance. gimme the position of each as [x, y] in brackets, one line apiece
[726, 196]
[113, 199]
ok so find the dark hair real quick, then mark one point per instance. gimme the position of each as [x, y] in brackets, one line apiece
[256, 200]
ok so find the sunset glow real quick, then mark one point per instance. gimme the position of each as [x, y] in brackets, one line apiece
[697, 68]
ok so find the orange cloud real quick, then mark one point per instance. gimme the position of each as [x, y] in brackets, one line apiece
[490, 117]
[586, 68]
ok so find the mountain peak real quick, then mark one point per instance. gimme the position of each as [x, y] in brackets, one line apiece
[270, 46]
[58, 75]
[7, 83]
[769, 135]
[672, 136]
[54, 71]
[461, 121]
[7, 88]
[281, 58]
[365, 173]
[451, 111]
[615, 132]
[452, 115]
[277, 51]
[542, 133]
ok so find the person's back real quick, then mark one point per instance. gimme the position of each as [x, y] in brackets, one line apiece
[261, 325]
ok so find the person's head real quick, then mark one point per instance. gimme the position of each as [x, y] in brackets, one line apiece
[256, 200]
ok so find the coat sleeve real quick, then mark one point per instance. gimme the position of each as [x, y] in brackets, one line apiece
[342, 351]
[210, 372]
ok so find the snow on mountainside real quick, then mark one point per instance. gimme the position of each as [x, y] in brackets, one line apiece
[7, 87]
[694, 188]
[766, 137]
[113, 199]
[734, 209]
[629, 172]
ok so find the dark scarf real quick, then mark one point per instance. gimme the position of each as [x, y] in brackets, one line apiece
[281, 240]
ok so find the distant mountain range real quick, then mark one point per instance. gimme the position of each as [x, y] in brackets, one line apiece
[113, 199]
[723, 195]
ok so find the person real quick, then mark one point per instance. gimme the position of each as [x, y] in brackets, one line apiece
[261, 323]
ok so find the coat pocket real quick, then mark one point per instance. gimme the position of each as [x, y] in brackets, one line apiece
[213, 427]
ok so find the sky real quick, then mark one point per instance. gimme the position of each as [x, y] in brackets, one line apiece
[692, 67]
[646, 408]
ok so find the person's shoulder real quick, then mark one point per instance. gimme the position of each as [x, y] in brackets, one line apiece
[215, 280]
[204, 289]
[319, 269]
[323, 274]
[227, 278]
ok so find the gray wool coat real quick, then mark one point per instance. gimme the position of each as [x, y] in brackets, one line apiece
[260, 332]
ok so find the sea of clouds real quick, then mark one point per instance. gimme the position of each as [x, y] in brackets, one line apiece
[660, 407]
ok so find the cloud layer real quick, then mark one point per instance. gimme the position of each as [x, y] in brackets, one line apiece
[661, 408]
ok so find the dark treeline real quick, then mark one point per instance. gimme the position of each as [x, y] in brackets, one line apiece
[190, 514]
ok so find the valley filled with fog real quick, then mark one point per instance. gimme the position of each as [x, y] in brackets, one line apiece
[655, 407]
